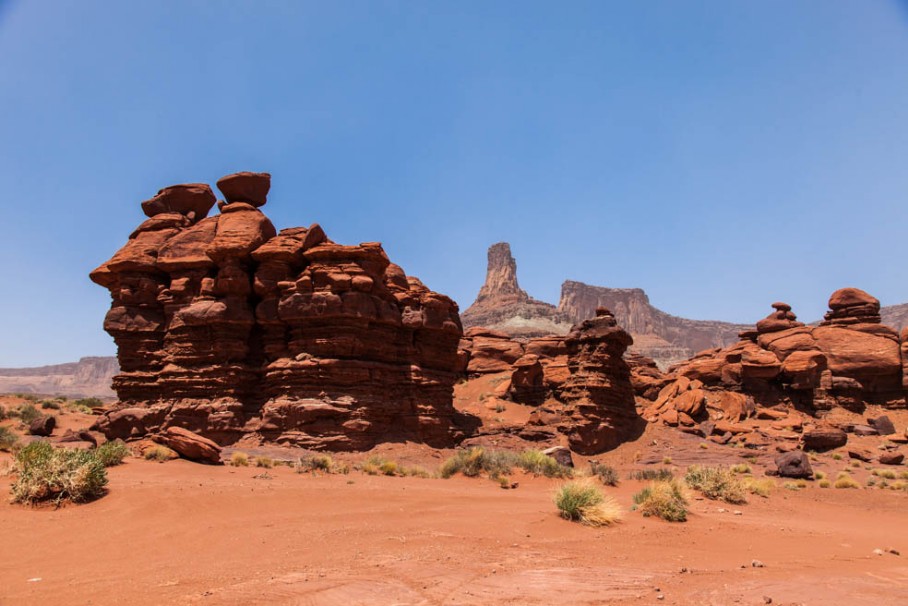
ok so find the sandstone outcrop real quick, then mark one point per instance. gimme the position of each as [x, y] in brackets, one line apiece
[849, 360]
[226, 327]
[594, 406]
[503, 306]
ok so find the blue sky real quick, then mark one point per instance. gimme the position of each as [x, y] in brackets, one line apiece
[720, 155]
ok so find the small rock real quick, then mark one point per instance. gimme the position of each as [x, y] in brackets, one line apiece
[757, 564]
[660, 597]
[893, 551]
[767, 599]
[738, 513]
[883, 425]
[892, 458]
[560, 454]
[878, 552]
[42, 426]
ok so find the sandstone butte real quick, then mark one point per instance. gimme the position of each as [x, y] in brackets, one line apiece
[228, 328]
[503, 306]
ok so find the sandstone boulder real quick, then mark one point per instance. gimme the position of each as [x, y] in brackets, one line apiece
[190, 445]
[246, 187]
[823, 439]
[42, 426]
[794, 464]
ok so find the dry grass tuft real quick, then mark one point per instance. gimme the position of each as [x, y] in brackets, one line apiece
[582, 502]
[716, 483]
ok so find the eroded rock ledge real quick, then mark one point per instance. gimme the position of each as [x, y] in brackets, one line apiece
[226, 327]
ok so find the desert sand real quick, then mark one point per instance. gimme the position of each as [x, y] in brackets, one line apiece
[185, 533]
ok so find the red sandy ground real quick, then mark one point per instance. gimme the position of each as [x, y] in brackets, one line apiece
[183, 533]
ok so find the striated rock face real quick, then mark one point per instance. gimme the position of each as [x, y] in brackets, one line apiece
[849, 360]
[895, 316]
[593, 406]
[599, 411]
[503, 306]
[227, 328]
[89, 377]
[663, 337]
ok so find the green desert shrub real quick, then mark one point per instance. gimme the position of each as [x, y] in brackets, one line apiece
[47, 473]
[741, 468]
[716, 483]
[582, 502]
[50, 405]
[605, 473]
[662, 499]
[8, 439]
[112, 453]
[654, 475]
[795, 485]
[27, 412]
[264, 462]
[536, 462]
[88, 403]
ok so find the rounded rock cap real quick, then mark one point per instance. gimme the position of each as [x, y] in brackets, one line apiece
[186, 198]
[851, 297]
[246, 187]
[778, 305]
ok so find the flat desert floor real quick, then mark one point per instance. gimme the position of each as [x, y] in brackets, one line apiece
[185, 533]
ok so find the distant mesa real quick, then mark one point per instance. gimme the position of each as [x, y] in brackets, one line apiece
[90, 377]
[502, 305]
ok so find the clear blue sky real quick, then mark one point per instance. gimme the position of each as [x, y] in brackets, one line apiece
[721, 155]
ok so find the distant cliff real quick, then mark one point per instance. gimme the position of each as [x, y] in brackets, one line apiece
[895, 316]
[89, 377]
[502, 305]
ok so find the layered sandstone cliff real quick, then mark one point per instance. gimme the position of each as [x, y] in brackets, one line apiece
[895, 316]
[228, 328]
[89, 377]
[502, 306]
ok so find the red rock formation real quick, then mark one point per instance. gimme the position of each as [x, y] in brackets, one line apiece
[849, 360]
[657, 335]
[595, 406]
[503, 306]
[489, 351]
[226, 328]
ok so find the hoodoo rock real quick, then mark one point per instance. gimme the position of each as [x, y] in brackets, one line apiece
[227, 328]
[595, 407]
